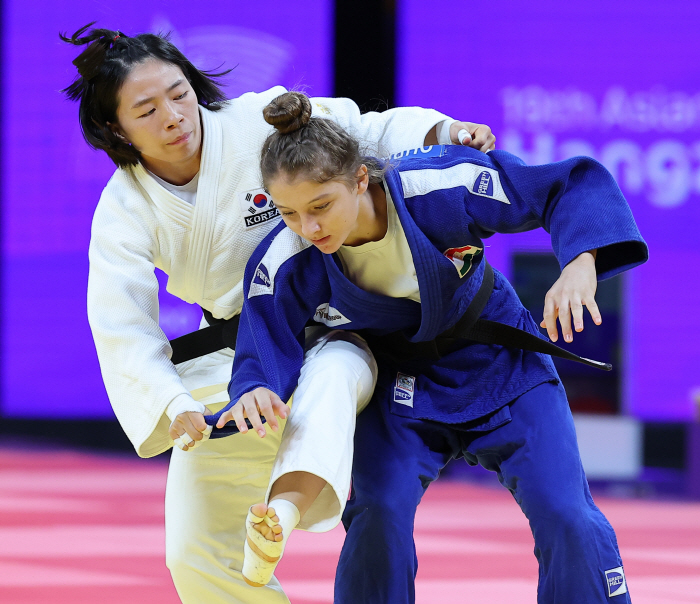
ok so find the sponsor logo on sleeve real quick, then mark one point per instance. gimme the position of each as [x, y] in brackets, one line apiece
[257, 207]
[262, 282]
[487, 183]
[403, 391]
[483, 184]
[615, 578]
[462, 257]
[330, 316]
[262, 276]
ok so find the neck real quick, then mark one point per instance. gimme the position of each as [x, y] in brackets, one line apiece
[179, 173]
[371, 224]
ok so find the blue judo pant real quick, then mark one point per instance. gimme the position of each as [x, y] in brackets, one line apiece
[536, 458]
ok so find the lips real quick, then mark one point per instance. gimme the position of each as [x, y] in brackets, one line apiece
[321, 241]
[181, 139]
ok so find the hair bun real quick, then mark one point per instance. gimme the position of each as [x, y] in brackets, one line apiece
[98, 42]
[288, 112]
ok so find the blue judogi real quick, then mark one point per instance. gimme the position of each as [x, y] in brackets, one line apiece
[500, 407]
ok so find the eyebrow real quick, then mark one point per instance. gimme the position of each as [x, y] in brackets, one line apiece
[151, 98]
[315, 199]
[321, 196]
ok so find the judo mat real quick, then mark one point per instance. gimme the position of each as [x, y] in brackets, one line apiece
[77, 528]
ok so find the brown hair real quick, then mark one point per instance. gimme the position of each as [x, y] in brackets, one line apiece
[310, 146]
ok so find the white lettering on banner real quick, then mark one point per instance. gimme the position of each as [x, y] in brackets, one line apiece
[535, 108]
[666, 172]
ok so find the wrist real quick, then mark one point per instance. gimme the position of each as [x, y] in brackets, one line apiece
[443, 132]
[183, 403]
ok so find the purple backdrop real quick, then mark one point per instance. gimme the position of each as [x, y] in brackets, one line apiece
[619, 81]
[52, 180]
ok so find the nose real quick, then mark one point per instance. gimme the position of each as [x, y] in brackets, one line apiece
[172, 116]
[309, 227]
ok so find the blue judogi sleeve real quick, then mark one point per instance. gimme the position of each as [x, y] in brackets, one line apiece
[576, 200]
[280, 297]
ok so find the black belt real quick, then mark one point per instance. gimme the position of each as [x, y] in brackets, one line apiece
[220, 334]
[470, 327]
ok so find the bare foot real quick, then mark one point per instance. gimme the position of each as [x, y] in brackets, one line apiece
[269, 526]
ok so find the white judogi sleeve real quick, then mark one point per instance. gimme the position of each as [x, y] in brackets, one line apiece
[123, 315]
[380, 134]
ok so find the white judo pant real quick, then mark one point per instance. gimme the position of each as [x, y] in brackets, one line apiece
[210, 488]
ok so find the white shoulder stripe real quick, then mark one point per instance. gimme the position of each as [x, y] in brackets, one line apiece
[283, 247]
[479, 180]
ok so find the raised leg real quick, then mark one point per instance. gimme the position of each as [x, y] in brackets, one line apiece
[311, 476]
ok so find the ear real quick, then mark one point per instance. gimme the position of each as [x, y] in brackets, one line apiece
[362, 179]
[117, 131]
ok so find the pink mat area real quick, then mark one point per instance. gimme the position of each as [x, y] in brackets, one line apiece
[80, 528]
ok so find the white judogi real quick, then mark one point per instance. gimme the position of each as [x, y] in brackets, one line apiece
[139, 225]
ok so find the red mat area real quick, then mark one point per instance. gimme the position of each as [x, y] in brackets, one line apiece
[85, 528]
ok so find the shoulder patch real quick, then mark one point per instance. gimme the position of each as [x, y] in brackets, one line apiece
[283, 247]
[479, 180]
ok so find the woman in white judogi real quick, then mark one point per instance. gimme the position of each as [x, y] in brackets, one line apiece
[187, 199]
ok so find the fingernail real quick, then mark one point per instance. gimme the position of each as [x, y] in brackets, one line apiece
[579, 325]
[568, 337]
[261, 432]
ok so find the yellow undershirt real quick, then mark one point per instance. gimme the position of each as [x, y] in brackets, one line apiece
[386, 266]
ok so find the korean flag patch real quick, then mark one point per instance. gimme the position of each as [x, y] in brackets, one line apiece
[257, 208]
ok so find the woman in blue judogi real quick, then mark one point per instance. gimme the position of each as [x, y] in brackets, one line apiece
[396, 251]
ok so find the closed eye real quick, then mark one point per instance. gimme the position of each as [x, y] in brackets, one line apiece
[182, 96]
[323, 207]
[148, 113]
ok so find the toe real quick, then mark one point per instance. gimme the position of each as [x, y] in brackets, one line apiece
[259, 509]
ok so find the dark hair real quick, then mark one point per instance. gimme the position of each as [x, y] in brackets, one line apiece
[310, 146]
[102, 69]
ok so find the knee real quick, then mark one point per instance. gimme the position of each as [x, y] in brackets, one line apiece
[558, 513]
[346, 359]
[176, 555]
[384, 513]
[177, 564]
[348, 353]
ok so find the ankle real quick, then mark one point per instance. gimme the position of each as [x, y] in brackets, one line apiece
[288, 515]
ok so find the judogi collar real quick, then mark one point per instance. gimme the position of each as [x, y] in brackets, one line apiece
[201, 218]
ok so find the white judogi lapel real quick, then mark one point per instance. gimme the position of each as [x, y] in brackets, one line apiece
[205, 209]
[188, 278]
